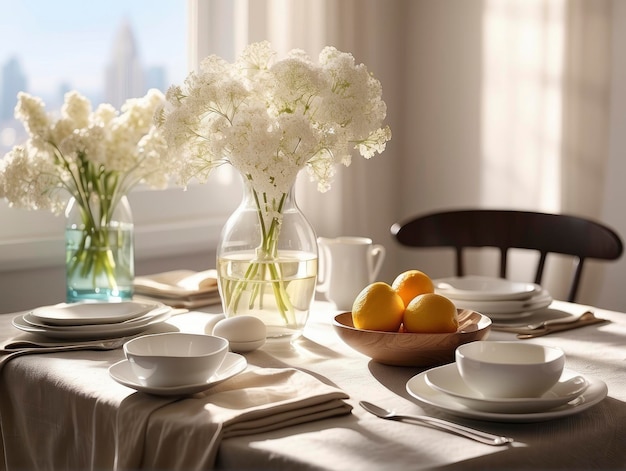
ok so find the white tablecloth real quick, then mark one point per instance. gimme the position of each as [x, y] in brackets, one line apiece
[66, 405]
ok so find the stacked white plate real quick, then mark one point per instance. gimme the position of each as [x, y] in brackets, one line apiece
[444, 388]
[498, 298]
[87, 320]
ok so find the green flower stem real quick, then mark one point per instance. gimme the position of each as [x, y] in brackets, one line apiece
[97, 194]
[265, 259]
[94, 255]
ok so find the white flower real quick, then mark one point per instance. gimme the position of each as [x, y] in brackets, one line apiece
[271, 118]
[85, 152]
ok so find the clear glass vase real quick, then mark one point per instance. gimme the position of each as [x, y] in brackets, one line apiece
[99, 249]
[267, 263]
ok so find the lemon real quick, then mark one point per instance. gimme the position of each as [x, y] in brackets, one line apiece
[430, 313]
[378, 307]
[411, 284]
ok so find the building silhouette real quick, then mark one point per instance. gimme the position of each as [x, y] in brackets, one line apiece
[155, 77]
[12, 81]
[124, 75]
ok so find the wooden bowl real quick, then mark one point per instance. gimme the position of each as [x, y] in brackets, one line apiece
[409, 349]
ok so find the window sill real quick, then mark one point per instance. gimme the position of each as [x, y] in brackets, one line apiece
[150, 242]
[167, 223]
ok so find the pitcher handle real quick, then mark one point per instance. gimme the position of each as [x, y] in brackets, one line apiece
[377, 254]
[323, 271]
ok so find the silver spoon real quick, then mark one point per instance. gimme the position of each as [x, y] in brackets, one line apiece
[479, 436]
[100, 345]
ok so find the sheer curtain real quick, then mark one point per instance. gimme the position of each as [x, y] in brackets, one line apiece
[545, 112]
[586, 119]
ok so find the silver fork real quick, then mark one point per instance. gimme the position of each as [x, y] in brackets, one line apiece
[478, 435]
[100, 345]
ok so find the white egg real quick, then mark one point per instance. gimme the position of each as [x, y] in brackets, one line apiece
[244, 333]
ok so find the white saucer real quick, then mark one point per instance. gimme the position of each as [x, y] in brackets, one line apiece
[120, 329]
[484, 288]
[91, 313]
[447, 379]
[419, 389]
[233, 365]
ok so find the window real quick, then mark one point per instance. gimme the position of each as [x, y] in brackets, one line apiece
[108, 51]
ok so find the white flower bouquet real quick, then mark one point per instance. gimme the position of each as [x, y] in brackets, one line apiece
[93, 156]
[270, 119]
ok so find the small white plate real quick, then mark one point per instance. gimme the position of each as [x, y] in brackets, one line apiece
[484, 288]
[418, 388]
[447, 379]
[89, 313]
[233, 365]
[90, 332]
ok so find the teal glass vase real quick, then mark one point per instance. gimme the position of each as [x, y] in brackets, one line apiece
[99, 249]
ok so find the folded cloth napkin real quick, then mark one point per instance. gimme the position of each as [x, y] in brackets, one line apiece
[256, 401]
[179, 288]
[189, 302]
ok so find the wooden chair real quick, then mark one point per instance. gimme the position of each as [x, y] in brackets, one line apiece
[504, 229]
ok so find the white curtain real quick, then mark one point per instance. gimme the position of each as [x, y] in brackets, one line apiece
[492, 103]
[586, 120]
[545, 112]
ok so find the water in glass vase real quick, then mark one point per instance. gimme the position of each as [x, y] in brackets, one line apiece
[100, 268]
[278, 291]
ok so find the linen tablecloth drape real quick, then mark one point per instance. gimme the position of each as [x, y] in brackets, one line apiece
[59, 411]
[75, 416]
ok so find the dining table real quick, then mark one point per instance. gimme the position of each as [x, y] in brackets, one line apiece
[63, 410]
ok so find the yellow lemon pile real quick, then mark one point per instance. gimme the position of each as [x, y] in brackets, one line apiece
[410, 304]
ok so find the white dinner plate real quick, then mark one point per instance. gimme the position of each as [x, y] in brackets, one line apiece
[121, 329]
[233, 365]
[418, 388]
[484, 288]
[448, 380]
[90, 313]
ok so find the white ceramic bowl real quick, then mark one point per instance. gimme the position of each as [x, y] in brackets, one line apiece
[175, 358]
[509, 369]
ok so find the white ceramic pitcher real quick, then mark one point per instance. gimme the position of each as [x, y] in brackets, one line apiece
[347, 265]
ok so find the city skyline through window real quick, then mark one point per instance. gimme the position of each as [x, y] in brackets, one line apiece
[108, 51]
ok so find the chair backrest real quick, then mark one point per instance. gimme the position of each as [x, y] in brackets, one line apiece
[504, 229]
